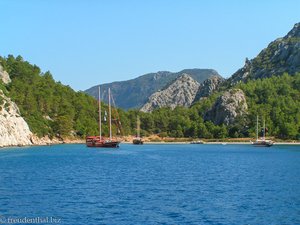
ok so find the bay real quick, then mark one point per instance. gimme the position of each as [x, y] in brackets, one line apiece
[151, 184]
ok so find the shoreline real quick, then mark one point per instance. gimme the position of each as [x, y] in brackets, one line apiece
[213, 143]
[82, 141]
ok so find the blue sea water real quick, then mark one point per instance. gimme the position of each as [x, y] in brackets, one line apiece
[151, 184]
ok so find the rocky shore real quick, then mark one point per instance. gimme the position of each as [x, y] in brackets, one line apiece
[47, 141]
[36, 141]
[14, 130]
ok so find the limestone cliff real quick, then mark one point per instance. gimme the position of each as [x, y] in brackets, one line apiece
[4, 76]
[181, 92]
[228, 107]
[14, 130]
[208, 87]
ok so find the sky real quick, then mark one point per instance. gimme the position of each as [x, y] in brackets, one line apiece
[88, 42]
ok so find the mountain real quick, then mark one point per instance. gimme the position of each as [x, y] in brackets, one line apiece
[181, 92]
[135, 93]
[281, 55]
[184, 91]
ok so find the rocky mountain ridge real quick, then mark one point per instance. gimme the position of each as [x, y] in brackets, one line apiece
[281, 55]
[184, 91]
[208, 87]
[181, 92]
[136, 92]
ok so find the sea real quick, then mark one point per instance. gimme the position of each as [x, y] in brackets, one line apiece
[150, 184]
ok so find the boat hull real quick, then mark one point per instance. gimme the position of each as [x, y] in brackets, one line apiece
[104, 145]
[137, 142]
[97, 143]
[262, 144]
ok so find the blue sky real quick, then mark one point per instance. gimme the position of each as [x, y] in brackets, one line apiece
[87, 42]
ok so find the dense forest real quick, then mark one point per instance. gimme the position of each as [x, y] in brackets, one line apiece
[51, 108]
[278, 100]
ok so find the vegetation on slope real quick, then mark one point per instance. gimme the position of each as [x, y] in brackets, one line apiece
[49, 107]
[53, 109]
[277, 99]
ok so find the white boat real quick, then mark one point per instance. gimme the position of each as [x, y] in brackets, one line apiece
[197, 142]
[262, 142]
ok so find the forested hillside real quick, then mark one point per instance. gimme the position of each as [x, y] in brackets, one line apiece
[278, 100]
[51, 108]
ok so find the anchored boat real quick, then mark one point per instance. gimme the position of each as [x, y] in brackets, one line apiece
[262, 142]
[138, 140]
[99, 141]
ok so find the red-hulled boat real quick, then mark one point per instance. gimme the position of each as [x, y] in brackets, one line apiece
[95, 141]
[99, 141]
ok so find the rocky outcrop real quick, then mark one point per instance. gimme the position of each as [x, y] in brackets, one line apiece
[282, 55]
[4, 76]
[228, 107]
[208, 87]
[181, 92]
[14, 130]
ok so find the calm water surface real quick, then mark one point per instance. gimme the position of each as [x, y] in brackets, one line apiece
[152, 184]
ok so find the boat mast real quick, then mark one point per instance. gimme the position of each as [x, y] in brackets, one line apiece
[99, 102]
[109, 111]
[138, 122]
[256, 127]
[264, 132]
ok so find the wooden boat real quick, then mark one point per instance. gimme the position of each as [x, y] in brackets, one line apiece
[99, 141]
[262, 142]
[95, 141]
[138, 140]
